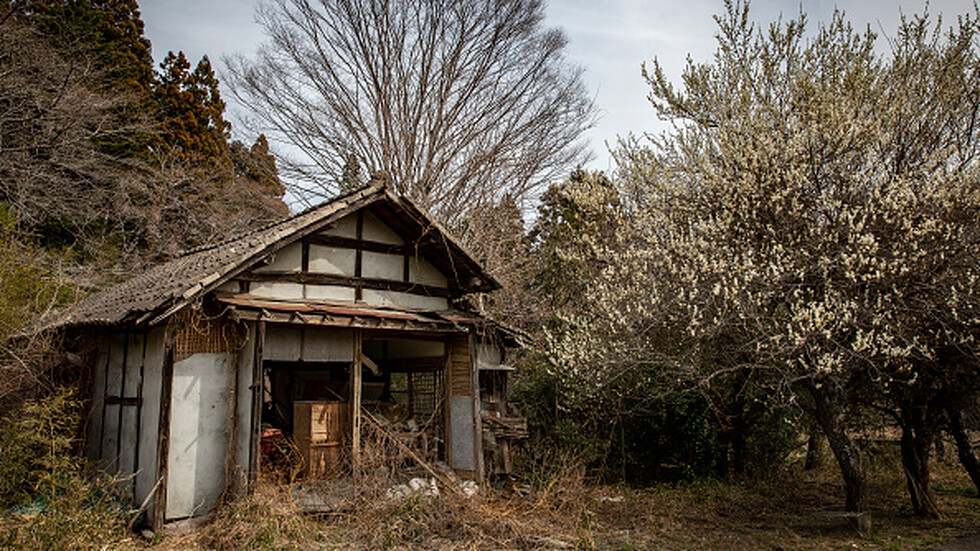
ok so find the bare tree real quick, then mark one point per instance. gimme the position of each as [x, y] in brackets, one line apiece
[460, 102]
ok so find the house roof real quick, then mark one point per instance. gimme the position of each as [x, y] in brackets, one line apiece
[155, 294]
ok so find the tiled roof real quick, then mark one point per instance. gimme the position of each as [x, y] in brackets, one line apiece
[165, 288]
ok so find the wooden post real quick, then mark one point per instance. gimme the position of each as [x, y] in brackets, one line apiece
[258, 395]
[163, 433]
[232, 467]
[139, 411]
[355, 404]
[121, 394]
[359, 260]
[107, 346]
[477, 418]
[447, 385]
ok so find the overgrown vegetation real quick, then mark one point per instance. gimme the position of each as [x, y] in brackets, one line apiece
[794, 264]
[48, 498]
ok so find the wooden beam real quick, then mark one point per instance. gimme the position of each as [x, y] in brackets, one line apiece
[369, 363]
[338, 242]
[355, 404]
[394, 327]
[357, 282]
[258, 394]
[122, 401]
[163, 430]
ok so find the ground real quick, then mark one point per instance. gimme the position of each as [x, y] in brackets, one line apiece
[779, 511]
[775, 513]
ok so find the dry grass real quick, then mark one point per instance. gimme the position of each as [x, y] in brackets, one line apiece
[565, 512]
[568, 513]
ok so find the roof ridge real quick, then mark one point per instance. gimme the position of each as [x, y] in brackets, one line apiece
[269, 226]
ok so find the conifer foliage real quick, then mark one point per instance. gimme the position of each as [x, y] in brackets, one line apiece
[107, 158]
[107, 165]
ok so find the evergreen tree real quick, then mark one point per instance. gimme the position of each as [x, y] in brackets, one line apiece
[191, 112]
[110, 32]
[258, 165]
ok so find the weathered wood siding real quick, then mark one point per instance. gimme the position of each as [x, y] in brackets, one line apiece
[121, 436]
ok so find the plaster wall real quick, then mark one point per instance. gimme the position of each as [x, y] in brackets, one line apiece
[383, 266]
[488, 355]
[332, 260]
[293, 344]
[461, 436]
[377, 231]
[288, 291]
[198, 433]
[286, 259]
[403, 300]
[422, 271]
[345, 227]
[331, 293]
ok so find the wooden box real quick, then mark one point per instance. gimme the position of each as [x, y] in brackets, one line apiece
[320, 429]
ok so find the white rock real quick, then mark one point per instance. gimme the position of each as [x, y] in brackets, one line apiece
[424, 486]
[399, 491]
[469, 488]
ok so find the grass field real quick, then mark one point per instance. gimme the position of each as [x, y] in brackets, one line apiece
[564, 512]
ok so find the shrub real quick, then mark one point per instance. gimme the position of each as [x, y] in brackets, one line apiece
[50, 502]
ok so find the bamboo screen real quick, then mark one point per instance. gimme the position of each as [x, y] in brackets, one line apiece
[196, 333]
[460, 383]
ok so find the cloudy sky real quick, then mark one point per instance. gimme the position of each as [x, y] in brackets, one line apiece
[610, 39]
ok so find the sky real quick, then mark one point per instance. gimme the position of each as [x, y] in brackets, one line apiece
[609, 39]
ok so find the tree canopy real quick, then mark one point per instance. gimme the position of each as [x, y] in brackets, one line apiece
[809, 226]
[461, 103]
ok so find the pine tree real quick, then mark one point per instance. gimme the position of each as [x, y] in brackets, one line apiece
[191, 113]
[258, 165]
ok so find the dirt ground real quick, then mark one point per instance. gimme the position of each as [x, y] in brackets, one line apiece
[787, 511]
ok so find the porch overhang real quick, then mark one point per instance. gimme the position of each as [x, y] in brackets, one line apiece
[325, 314]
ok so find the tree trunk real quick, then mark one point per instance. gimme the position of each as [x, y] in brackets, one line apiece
[814, 452]
[739, 446]
[829, 414]
[964, 448]
[916, 444]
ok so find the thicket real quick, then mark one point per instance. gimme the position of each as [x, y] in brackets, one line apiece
[106, 165]
[44, 480]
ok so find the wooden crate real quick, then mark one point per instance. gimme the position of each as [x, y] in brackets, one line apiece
[319, 429]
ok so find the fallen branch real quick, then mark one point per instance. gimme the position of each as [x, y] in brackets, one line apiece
[385, 432]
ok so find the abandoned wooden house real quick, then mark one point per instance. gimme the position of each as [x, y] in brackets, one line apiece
[308, 326]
